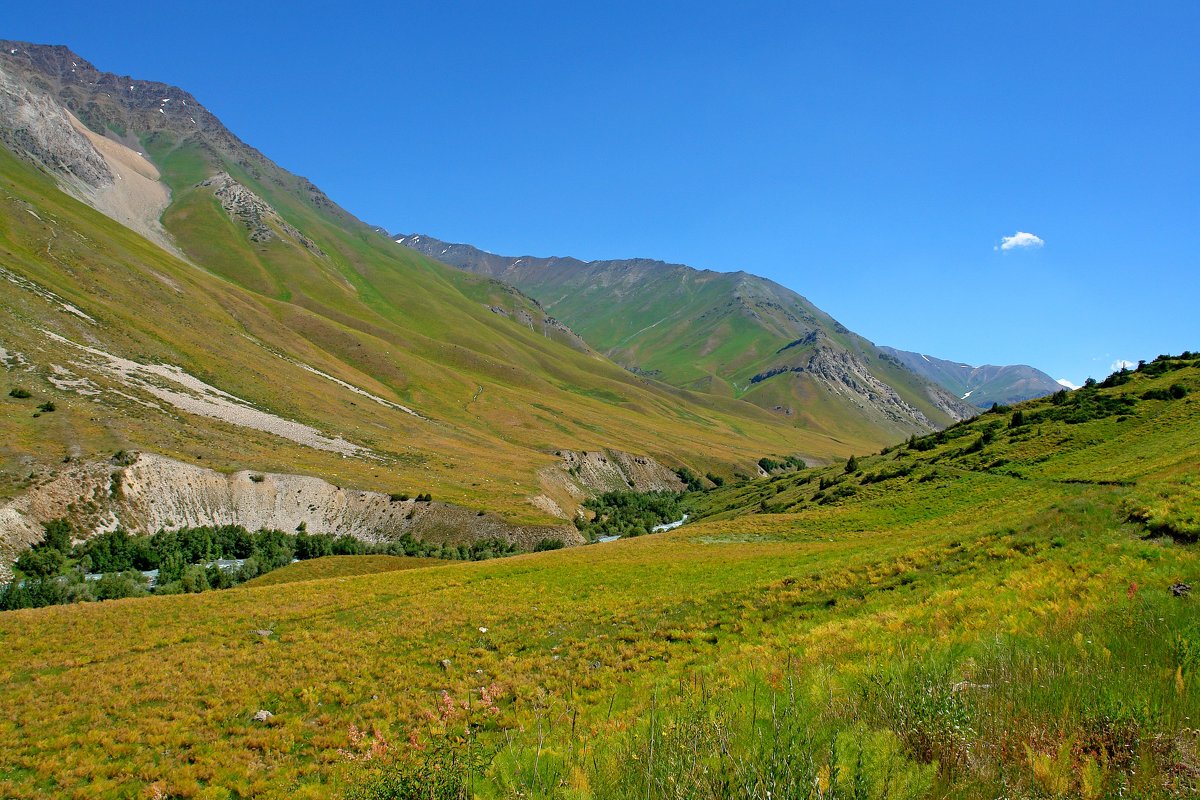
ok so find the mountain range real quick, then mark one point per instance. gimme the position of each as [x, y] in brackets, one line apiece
[739, 335]
[980, 386]
[171, 290]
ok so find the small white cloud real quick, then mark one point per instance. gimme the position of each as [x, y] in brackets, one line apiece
[1121, 364]
[1021, 240]
[1067, 383]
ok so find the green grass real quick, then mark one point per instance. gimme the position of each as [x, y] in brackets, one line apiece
[340, 567]
[977, 634]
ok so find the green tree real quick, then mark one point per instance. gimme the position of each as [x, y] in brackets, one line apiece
[43, 562]
[58, 535]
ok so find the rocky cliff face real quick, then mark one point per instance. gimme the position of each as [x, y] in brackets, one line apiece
[117, 105]
[146, 493]
[585, 473]
[538, 320]
[36, 126]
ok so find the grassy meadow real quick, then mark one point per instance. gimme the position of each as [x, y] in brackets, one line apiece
[340, 567]
[986, 612]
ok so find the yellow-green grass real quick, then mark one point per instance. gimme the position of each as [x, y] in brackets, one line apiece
[340, 567]
[953, 577]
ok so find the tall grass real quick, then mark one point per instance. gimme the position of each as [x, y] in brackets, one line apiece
[1104, 707]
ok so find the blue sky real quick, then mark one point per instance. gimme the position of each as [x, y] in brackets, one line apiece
[871, 156]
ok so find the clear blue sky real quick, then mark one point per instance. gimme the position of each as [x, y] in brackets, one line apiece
[871, 156]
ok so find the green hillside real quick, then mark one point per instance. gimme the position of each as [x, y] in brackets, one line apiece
[1002, 609]
[727, 335]
[297, 339]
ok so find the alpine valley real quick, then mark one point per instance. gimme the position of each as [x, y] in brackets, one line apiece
[291, 508]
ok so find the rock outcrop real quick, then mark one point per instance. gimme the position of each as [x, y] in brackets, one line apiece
[37, 126]
[246, 207]
[847, 375]
[585, 473]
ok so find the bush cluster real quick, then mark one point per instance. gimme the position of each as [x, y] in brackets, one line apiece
[770, 465]
[629, 513]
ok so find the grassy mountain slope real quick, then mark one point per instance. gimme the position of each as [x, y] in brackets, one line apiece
[980, 386]
[987, 612]
[495, 398]
[304, 314]
[726, 334]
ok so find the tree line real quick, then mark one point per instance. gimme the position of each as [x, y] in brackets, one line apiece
[112, 564]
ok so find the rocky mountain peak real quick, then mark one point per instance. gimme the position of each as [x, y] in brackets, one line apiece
[104, 100]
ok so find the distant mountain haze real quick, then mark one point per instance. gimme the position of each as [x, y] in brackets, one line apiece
[980, 386]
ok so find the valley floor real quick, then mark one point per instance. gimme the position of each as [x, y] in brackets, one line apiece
[965, 628]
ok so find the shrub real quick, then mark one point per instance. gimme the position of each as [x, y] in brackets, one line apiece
[787, 462]
[47, 407]
[851, 464]
[19, 393]
[43, 563]
[194, 579]
[58, 535]
[257, 478]
[398, 497]
[548, 544]
[116, 585]
[124, 458]
[690, 479]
